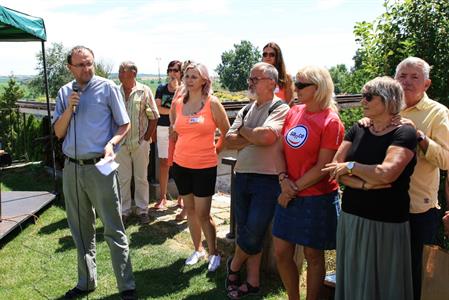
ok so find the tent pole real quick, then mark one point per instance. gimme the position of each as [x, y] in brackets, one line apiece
[52, 144]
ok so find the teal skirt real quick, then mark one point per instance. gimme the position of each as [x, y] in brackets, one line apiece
[373, 260]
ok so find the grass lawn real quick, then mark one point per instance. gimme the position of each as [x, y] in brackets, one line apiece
[39, 261]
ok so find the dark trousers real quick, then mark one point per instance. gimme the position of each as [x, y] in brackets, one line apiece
[423, 229]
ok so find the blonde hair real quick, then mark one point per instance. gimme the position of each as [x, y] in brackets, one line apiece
[204, 74]
[321, 77]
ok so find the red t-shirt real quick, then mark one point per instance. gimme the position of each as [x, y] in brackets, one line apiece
[305, 133]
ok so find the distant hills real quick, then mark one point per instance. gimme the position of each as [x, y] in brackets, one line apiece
[26, 78]
[20, 78]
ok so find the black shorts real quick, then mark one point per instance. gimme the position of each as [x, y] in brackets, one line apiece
[199, 182]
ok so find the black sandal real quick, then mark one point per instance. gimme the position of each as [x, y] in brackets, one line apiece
[231, 285]
[239, 294]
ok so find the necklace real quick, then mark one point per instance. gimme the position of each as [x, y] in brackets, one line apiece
[191, 112]
[380, 130]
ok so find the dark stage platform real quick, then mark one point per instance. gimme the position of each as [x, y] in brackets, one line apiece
[17, 207]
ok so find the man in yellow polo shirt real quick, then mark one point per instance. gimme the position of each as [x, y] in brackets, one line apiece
[432, 124]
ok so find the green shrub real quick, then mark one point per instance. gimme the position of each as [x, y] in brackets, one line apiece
[349, 116]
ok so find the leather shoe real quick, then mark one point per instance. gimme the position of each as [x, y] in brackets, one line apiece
[76, 293]
[128, 295]
[144, 219]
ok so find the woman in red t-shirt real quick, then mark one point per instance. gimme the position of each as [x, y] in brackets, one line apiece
[308, 206]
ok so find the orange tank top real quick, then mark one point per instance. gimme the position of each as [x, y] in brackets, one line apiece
[281, 93]
[195, 147]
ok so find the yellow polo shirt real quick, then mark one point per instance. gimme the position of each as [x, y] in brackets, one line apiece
[432, 118]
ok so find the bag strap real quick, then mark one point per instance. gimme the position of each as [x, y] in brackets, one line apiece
[275, 105]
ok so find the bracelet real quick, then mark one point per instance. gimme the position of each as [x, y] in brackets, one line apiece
[282, 178]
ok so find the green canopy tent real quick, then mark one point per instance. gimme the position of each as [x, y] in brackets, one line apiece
[16, 26]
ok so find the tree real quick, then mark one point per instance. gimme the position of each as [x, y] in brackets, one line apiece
[407, 28]
[57, 71]
[236, 65]
[340, 75]
[9, 116]
[103, 69]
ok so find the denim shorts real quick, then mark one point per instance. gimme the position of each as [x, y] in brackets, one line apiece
[256, 197]
[310, 221]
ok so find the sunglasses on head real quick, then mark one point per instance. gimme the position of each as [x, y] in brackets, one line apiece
[301, 85]
[368, 96]
[172, 70]
[268, 54]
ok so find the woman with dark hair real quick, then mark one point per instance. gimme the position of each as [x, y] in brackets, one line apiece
[164, 98]
[272, 55]
[375, 164]
[195, 116]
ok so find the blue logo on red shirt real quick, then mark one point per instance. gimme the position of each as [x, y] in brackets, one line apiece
[297, 136]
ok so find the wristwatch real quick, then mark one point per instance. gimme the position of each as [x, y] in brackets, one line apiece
[350, 165]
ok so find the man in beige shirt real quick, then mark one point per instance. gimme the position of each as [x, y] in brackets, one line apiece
[133, 156]
[432, 124]
[254, 134]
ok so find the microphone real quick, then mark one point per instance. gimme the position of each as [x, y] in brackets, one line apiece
[76, 89]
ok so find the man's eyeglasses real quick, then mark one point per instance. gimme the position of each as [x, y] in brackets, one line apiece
[172, 70]
[81, 66]
[255, 80]
[268, 54]
[301, 85]
[368, 96]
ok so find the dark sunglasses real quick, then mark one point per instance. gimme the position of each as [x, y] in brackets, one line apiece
[270, 54]
[301, 85]
[172, 70]
[368, 96]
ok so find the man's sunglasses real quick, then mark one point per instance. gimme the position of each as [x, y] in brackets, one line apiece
[270, 54]
[301, 85]
[172, 70]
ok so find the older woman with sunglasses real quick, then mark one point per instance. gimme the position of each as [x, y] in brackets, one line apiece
[272, 55]
[164, 98]
[375, 164]
[306, 213]
[195, 116]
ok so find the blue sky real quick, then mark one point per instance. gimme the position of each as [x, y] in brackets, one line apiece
[318, 32]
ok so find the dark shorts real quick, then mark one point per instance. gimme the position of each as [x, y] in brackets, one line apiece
[255, 200]
[310, 221]
[199, 182]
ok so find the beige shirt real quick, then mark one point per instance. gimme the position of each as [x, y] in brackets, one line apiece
[260, 159]
[432, 118]
[141, 107]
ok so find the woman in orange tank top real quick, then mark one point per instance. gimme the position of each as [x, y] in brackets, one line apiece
[195, 116]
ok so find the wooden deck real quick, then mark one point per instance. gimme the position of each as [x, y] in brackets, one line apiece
[17, 207]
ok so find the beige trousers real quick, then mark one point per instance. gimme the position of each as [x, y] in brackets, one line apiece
[134, 163]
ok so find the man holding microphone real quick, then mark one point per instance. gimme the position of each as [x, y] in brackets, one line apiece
[91, 117]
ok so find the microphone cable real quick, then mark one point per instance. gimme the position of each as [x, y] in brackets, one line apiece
[78, 204]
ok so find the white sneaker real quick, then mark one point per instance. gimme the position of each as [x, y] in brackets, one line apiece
[195, 257]
[214, 263]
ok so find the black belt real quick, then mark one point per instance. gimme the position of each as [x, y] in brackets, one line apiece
[83, 162]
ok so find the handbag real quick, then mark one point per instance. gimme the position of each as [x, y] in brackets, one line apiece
[435, 273]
